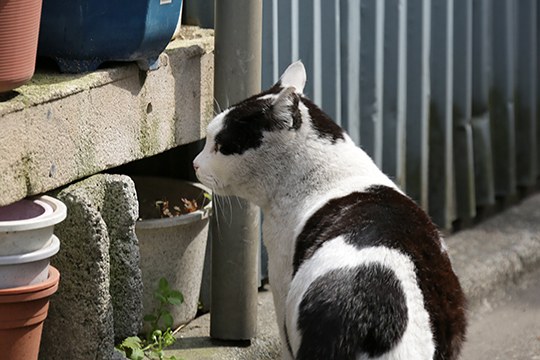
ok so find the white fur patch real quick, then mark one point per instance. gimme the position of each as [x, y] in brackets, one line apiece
[212, 166]
[417, 341]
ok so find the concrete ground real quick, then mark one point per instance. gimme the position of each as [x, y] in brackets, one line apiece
[506, 326]
[498, 263]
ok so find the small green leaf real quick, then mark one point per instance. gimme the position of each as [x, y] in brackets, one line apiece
[160, 297]
[163, 285]
[175, 298]
[168, 338]
[167, 319]
[132, 342]
[150, 317]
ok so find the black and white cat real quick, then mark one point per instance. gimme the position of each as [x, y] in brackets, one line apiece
[357, 269]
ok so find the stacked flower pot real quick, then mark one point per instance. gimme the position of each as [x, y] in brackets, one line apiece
[27, 280]
[19, 28]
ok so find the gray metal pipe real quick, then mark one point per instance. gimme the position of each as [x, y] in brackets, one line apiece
[235, 234]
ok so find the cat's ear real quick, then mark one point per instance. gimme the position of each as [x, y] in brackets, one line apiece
[285, 104]
[285, 98]
[294, 76]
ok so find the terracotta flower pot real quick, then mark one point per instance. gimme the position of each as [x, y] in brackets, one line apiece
[22, 313]
[19, 28]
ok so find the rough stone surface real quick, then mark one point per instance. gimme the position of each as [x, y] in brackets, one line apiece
[63, 127]
[100, 291]
[120, 212]
[80, 316]
[486, 258]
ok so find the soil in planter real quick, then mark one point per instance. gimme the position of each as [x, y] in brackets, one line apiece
[164, 208]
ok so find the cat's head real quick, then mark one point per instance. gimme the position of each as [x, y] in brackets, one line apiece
[252, 140]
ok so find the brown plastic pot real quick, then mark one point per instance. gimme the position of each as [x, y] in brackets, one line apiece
[22, 313]
[19, 28]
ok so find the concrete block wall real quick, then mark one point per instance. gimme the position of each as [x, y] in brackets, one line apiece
[100, 297]
[60, 128]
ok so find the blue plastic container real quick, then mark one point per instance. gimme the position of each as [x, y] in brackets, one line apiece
[82, 34]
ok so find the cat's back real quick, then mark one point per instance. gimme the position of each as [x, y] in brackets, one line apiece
[371, 277]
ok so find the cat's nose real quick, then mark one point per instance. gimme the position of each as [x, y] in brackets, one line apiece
[195, 166]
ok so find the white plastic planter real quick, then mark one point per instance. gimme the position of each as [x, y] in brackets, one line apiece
[29, 268]
[28, 225]
[173, 248]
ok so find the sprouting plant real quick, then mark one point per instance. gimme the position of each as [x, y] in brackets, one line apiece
[166, 209]
[160, 321]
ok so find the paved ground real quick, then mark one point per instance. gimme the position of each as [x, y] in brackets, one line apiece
[194, 343]
[506, 325]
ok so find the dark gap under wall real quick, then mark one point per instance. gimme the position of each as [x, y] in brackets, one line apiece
[174, 163]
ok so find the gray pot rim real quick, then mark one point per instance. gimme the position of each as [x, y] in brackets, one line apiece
[41, 221]
[182, 219]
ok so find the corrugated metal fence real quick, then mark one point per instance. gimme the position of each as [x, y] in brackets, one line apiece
[441, 93]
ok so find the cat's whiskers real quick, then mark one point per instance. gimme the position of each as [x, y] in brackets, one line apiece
[229, 202]
[216, 209]
[218, 107]
[240, 204]
[221, 202]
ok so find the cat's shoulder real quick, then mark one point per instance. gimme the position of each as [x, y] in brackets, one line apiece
[378, 215]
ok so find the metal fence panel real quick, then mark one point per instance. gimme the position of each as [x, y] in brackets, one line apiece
[350, 67]
[537, 88]
[462, 95]
[284, 32]
[525, 94]
[330, 60]
[483, 155]
[418, 93]
[371, 77]
[441, 163]
[394, 90]
[270, 51]
[450, 114]
[502, 98]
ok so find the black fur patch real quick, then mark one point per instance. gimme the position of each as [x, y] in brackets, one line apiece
[323, 124]
[296, 115]
[382, 216]
[244, 125]
[275, 89]
[346, 312]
